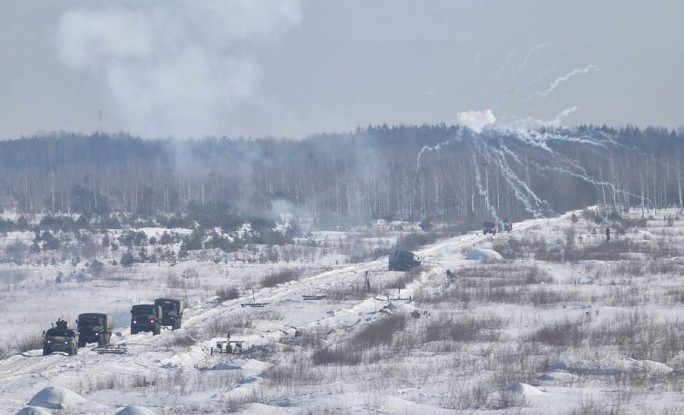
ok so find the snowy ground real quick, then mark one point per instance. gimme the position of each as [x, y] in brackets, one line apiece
[566, 323]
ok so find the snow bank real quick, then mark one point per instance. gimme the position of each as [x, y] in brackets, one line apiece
[484, 254]
[32, 410]
[648, 366]
[524, 389]
[54, 397]
[136, 410]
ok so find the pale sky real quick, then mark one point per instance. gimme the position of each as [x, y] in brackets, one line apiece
[289, 68]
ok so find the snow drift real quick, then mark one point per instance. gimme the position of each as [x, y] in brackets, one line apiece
[54, 397]
[136, 410]
[483, 254]
[32, 410]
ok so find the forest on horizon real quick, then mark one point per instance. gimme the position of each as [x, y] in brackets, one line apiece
[343, 179]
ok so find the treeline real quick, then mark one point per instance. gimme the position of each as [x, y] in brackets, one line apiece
[338, 179]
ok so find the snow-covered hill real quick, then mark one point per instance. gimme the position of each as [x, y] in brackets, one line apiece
[565, 322]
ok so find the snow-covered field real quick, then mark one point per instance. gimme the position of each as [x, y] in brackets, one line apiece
[565, 323]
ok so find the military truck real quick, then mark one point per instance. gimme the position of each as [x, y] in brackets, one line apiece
[172, 311]
[60, 339]
[489, 227]
[94, 327]
[146, 317]
[402, 260]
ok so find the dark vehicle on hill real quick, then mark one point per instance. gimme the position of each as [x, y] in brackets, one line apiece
[507, 225]
[489, 227]
[94, 328]
[146, 317]
[402, 260]
[172, 311]
[60, 339]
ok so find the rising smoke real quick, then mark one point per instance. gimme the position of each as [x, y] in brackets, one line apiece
[561, 79]
[507, 150]
[174, 66]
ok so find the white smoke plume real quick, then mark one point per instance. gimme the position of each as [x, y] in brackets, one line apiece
[476, 120]
[528, 56]
[556, 82]
[174, 66]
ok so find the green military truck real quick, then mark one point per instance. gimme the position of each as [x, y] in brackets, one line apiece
[172, 311]
[146, 317]
[94, 328]
[60, 339]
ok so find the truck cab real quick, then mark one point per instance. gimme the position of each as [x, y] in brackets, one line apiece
[172, 311]
[146, 317]
[489, 227]
[402, 260]
[94, 327]
[60, 339]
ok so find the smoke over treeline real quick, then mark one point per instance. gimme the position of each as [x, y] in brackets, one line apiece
[347, 178]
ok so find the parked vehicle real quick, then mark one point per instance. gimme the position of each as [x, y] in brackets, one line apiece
[94, 327]
[60, 339]
[146, 317]
[402, 260]
[489, 227]
[172, 311]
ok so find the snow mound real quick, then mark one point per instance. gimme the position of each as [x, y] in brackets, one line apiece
[647, 366]
[32, 410]
[484, 254]
[54, 397]
[524, 389]
[136, 410]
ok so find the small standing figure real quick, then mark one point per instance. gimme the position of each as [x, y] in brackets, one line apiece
[450, 275]
[368, 286]
[608, 234]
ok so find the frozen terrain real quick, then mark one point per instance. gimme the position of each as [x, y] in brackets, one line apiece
[550, 318]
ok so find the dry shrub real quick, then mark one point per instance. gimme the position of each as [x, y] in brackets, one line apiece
[403, 279]
[339, 355]
[464, 328]
[178, 340]
[299, 373]
[29, 342]
[280, 277]
[237, 322]
[380, 332]
[225, 294]
[351, 292]
[564, 334]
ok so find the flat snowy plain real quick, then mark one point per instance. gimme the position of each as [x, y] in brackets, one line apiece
[565, 323]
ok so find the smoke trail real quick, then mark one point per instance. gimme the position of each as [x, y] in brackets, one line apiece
[556, 82]
[483, 191]
[174, 66]
[474, 120]
[527, 58]
[520, 188]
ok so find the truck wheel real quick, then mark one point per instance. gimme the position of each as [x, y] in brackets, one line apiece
[46, 351]
[74, 350]
[156, 330]
[134, 330]
[177, 324]
[70, 351]
[81, 342]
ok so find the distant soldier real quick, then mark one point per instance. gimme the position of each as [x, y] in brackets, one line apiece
[367, 282]
[608, 234]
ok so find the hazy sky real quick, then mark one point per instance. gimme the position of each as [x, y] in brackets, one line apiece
[295, 67]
